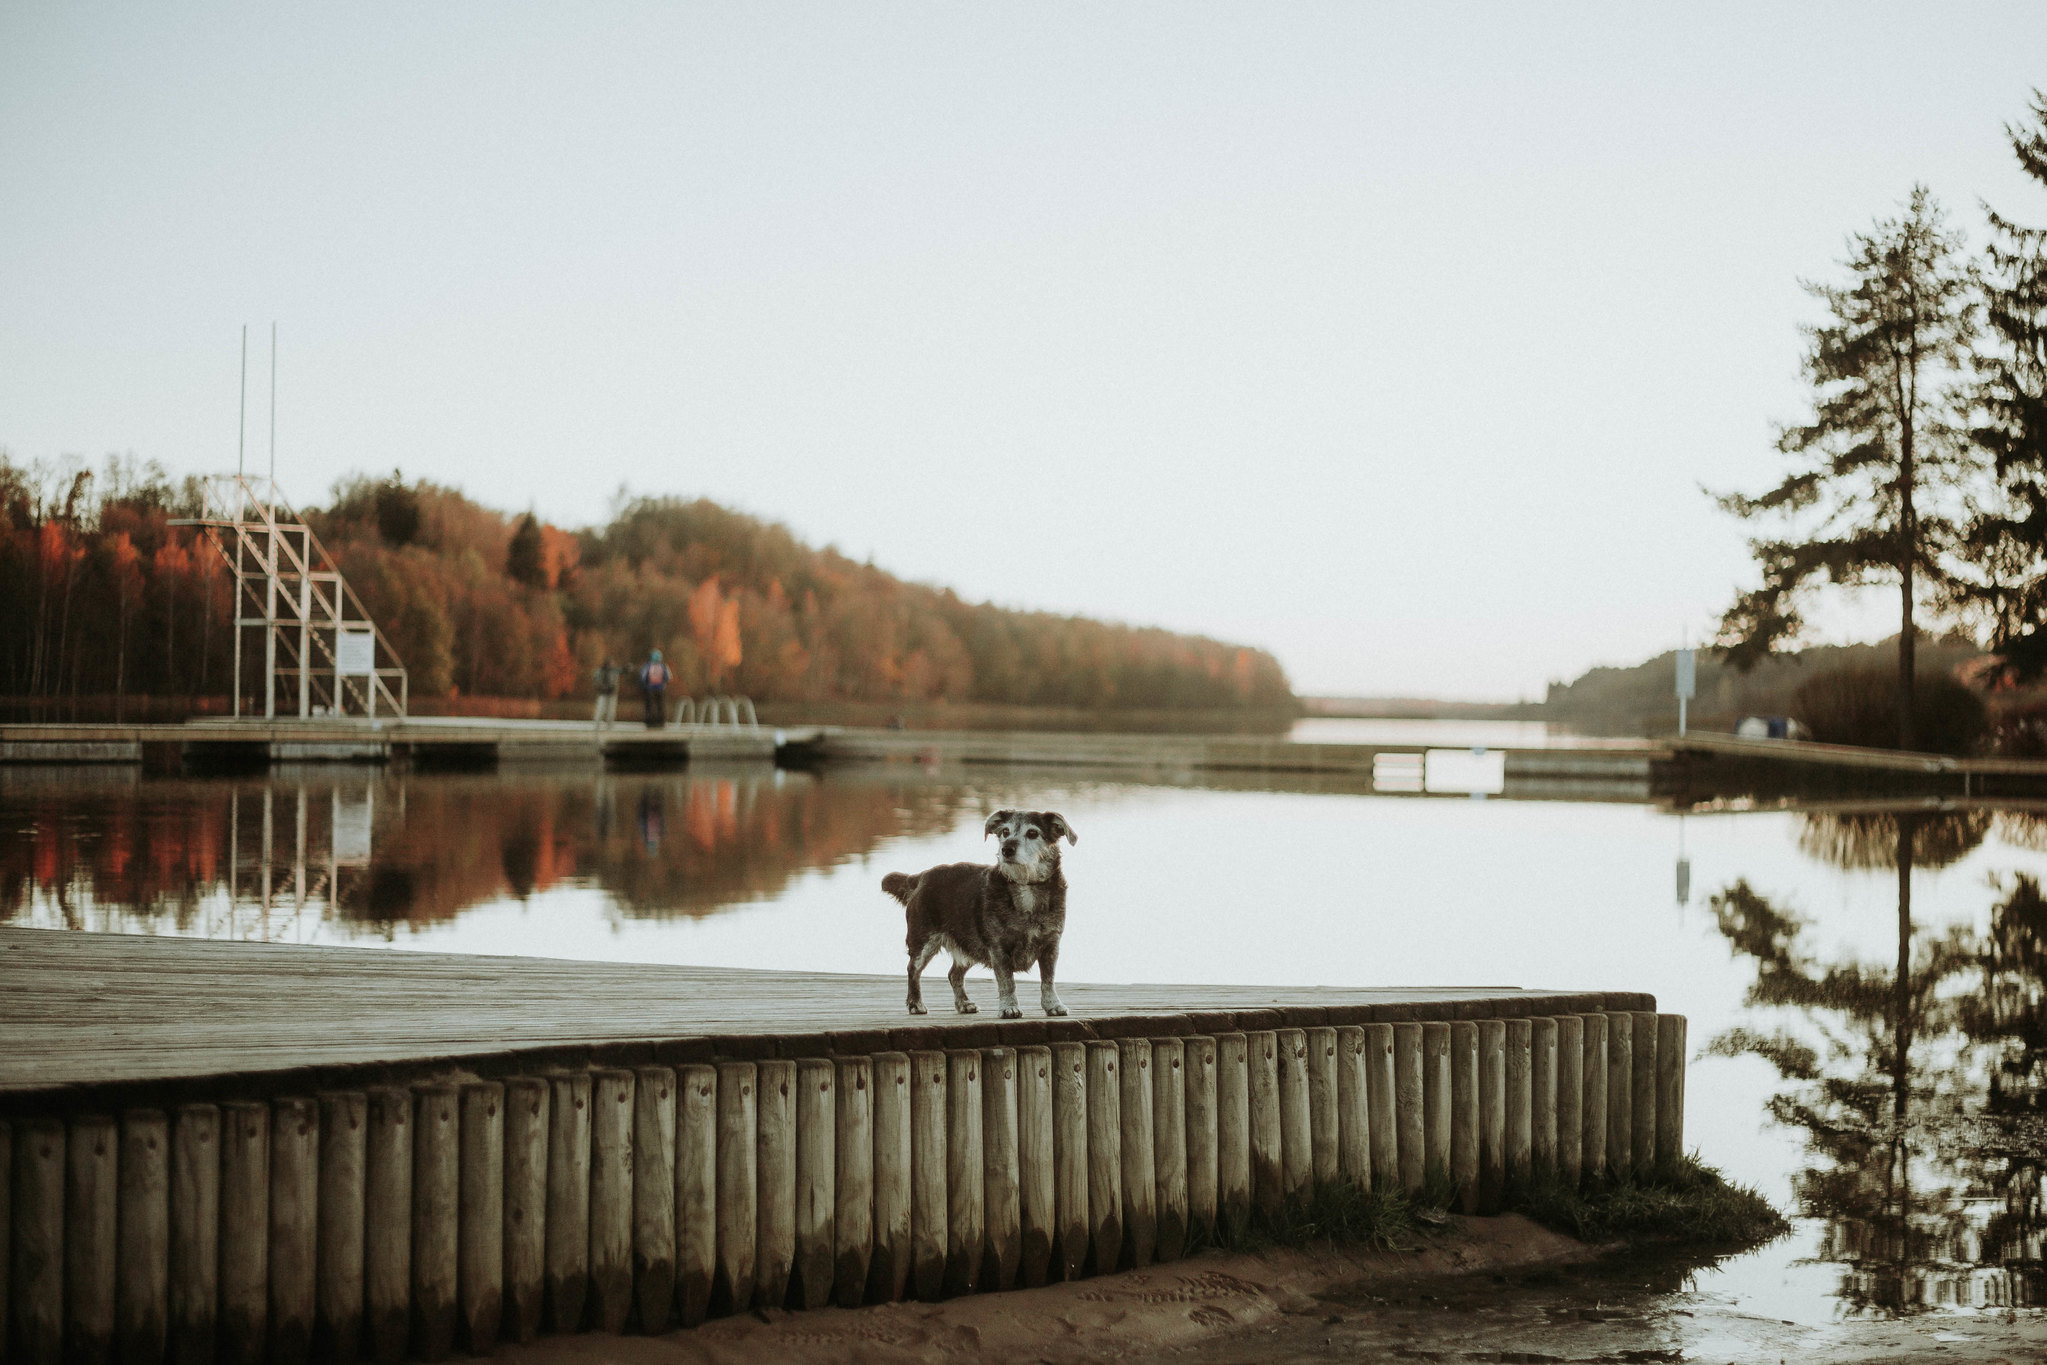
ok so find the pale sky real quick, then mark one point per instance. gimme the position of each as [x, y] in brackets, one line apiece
[1395, 339]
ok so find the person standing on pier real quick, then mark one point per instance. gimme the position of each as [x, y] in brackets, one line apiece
[654, 679]
[607, 695]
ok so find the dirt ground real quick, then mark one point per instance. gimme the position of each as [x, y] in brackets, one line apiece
[1483, 1289]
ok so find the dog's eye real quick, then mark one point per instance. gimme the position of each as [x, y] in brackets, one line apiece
[1030, 834]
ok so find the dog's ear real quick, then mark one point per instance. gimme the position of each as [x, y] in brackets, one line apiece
[997, 818]
[1055, 825]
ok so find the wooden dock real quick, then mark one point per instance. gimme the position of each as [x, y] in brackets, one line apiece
[447, 742]
[242, 1152]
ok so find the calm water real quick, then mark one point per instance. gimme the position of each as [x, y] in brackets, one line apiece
[1915, 1168]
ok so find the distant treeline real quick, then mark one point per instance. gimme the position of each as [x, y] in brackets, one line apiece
[1642, 699]
[101, 596]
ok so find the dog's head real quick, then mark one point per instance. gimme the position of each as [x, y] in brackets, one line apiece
[1030, 842]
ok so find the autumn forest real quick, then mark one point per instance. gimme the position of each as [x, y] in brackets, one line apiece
[104, 603]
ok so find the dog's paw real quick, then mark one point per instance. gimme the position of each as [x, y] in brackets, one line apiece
[967, 1007]
[1012, 1012]
[1055, 1011]
[916, 1008]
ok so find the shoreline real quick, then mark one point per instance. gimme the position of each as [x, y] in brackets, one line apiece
[1211, 1298]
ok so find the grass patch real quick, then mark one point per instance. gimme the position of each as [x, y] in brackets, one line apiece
[1696, 1205]
[1387, 1220]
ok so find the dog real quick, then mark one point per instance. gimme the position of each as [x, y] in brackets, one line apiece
[1005, 917]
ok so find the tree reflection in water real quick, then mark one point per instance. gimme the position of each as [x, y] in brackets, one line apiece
[1917, 1083]
[271, 858]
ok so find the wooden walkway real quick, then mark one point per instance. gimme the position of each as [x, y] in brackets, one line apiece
[136, 1011]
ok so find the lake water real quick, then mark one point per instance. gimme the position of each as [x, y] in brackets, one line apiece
[1776, 931]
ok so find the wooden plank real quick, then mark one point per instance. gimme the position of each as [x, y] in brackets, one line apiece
[112, 1008]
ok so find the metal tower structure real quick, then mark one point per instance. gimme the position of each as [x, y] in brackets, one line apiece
[322, 654]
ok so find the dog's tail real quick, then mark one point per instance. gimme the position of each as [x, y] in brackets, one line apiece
[900, 886]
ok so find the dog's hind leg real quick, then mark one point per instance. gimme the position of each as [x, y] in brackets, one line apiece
[958, 977]
[1048, 995]
[1005, 989]
[919, 959]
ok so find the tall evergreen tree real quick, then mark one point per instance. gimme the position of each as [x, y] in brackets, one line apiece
[524, 561]
[2008, 542]
[1877, 472]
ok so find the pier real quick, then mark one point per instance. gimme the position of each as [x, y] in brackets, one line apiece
[260, 1152]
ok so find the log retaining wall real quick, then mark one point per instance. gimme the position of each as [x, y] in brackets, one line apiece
[423, 1219]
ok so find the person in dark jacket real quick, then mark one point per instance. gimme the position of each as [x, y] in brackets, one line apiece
[607, 694]
[654, 679]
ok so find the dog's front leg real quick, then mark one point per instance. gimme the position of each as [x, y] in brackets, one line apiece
[1005, 988]
[1048, 995]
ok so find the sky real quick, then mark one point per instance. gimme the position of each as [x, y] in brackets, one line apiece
[1397, 339]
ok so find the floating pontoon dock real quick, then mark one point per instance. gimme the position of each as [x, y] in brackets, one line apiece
[248, 1152]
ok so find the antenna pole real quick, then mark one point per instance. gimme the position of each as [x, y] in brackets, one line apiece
[242, 416]
[273, 412]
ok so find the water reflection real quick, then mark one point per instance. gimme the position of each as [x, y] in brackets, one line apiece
[277, 858]
[1917, 1083]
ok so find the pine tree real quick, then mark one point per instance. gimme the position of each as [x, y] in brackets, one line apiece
[2008, 542]
[1878, 470]
[524, 562]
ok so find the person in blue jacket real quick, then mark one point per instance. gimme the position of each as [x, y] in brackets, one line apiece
[654, 679]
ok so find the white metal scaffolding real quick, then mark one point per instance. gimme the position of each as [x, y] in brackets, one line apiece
[322, 654]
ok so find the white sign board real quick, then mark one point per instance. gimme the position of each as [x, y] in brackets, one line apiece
[355, 652]
[1687, 673]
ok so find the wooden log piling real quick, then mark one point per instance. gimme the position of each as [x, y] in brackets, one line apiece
[1464, 1116]
[966, 1206]
[1642, 1101]
[91, 1225]
[927, 1174]
[142, 1254]
[817, 1183]
[775, 1174]
[853, 1189]
[1353, 1109]
[1169, 1146]
[1072, 1169]
[480, 1219]
[195, 1231]
[888, 1269]
[1408, 1098]
[244, 1231]
[1570, 1100]
[294, 1228]
[1232, 1130]
[338, 1268]
[1140, 1170]
[1520, 1086]
[654, 1164]
[1296, 1128]
[1620, 1095]
[1381, 1102]
[738, 1223]
[1001, 1171]
[565, 1276]
[528, 1108]
[1037, 1178]
[1201, 1133]
[1440, 1102]
[696, 1190]
[609, 1296]
[1592, 1127]
[436, 1218]
[1542, 1091]
[1268, 1182]
[1670, 1094]
[36, 1298]
[1104, 1158]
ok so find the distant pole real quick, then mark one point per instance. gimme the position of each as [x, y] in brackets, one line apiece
[242, 415]
[1687, 681]
[273, 412]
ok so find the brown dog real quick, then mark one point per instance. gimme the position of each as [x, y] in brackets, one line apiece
[1005, 917]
